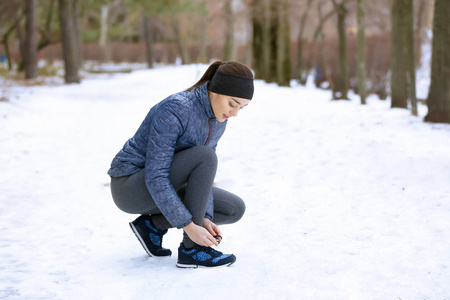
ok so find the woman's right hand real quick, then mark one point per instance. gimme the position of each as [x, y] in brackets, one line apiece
[200, 235]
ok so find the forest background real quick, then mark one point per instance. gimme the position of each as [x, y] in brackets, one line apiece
[366, 46]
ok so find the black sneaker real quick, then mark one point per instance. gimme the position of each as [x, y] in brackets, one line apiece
[201, 256]
[149, 236]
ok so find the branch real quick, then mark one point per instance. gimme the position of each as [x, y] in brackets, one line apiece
[322, 21]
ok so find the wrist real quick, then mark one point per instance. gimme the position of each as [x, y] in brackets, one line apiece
[189, 227]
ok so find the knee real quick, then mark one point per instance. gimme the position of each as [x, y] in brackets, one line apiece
[240, 209]
[207, 154]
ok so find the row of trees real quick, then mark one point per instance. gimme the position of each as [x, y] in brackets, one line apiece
[272, 34]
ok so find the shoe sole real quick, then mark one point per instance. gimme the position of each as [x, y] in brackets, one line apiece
[190, 266]
[136, 233]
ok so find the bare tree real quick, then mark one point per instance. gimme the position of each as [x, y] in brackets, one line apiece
[181, 44]
[202, 54]
[301, 74]
[419, 32]
[271, 40]
[69, 40]
[438, 101]
[262, 50]
[46, 33]
[76, 28]
[398, 59]
[108, 12]
[11, 14]
[229, 36]
[342, 88]
[103, 39]
[21, 39]
[361, 57]
[31, 40]
[283, 57]
[411, 72]
[319, 35]
[148, 33]
[402, 55]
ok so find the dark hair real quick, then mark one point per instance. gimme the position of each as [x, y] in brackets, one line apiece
[231, 68]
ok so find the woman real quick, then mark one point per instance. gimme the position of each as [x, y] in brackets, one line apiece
[165, 172]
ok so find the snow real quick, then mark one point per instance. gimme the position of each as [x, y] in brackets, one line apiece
[344, 201]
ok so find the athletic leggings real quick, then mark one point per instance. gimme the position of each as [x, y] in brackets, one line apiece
[192, 175]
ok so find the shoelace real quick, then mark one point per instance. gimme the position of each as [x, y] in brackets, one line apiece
[218, 238]
[208, 250]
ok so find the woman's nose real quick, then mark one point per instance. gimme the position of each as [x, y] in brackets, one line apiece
[235, 112]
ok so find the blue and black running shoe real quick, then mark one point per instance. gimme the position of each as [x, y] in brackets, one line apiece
[149, 236]
[201, 256]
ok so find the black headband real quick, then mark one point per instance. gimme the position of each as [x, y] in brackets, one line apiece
[232, 85]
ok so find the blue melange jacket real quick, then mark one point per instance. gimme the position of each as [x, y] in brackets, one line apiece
[180, 121]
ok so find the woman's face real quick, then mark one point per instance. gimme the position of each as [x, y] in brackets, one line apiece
[226, 106]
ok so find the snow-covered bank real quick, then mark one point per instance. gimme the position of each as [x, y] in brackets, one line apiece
[343, 201]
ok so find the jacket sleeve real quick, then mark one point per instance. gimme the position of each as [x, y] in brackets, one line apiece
[165, 129]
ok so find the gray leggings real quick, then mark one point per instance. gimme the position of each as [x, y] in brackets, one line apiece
[192, 175]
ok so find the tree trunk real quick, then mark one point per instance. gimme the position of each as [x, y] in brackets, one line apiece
[321, 68]
[261, 39]
[46, 32]
[439, 93]
[69, 41]
[398, 57]
[21, 39]
[78, 39]
[229, 36]
[319, 34]
[5, 40]
[361, 65]
[104, 25]
[182, 49]
[31, 40]
[202, 53]
[419, 32]
[411, 72]
[302, 76]
[280, 45]
[283, 65]
[268, 45]
[104, 28]
[257, 28]
[342, 88]
[148, 33]
[249, 48]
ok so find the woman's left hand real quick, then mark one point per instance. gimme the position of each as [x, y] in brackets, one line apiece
[213, 229]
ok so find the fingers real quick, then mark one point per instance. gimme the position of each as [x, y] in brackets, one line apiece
[215, 232]
[211, 240]
[209, 235]
[207, 241]
[201, 236]
[213, 228]
[214, 241]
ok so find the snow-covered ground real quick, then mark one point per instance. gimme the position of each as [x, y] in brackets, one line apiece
[343, 201]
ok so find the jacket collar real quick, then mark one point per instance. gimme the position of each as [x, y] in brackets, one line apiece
[202, 94]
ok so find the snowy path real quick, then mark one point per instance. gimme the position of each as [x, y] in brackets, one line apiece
[343, 201]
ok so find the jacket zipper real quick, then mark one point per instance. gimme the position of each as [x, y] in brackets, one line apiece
[209, 136]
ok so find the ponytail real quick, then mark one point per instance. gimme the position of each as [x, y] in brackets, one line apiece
[208, 75]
